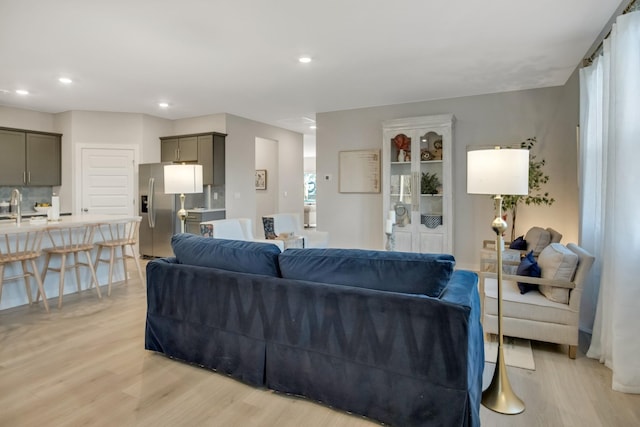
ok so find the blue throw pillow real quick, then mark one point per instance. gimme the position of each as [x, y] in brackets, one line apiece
[528, 267]
[231, 255]
[519, 244]
[425, 274]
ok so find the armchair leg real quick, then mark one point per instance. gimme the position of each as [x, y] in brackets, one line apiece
[573, 349]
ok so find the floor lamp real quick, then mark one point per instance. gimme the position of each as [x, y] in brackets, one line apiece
[499, 171]
[182, 179]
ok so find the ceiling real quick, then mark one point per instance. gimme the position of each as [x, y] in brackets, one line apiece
[241, 56]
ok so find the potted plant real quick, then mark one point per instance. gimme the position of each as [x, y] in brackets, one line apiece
[536, 196]
[429, 183]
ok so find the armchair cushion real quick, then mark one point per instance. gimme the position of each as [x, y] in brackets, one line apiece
[519, 244]
[231, 255]
[537, 239]
[557, 263]
[528, 267]
[555, 236]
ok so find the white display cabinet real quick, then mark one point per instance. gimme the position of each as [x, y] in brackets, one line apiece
[417, 182]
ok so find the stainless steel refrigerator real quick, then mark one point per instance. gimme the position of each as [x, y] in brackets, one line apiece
[158, 212]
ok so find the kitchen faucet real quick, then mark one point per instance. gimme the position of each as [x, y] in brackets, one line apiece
[16, 198]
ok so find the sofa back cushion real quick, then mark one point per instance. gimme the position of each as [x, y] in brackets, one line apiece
[230, 255]
[411, 273]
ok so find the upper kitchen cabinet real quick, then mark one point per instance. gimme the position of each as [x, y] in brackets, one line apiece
[29, 158]
[206, 149]
[179, 149]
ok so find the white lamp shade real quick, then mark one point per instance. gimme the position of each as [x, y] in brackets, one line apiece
[182, 179]
[498, 171]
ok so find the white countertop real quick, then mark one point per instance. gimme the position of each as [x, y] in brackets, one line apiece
[9, 226]
[198, 210]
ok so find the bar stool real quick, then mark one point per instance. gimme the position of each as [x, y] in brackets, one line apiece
[22, 247]
[70, 240]
[119, 234]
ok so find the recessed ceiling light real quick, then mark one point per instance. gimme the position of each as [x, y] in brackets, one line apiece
[304, 59]
[163, 105]
[22, 92]
[65, 80]
[312, 127]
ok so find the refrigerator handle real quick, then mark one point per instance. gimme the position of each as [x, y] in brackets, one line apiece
[152, 209]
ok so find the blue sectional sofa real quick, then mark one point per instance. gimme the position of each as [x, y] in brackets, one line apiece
[395, 337]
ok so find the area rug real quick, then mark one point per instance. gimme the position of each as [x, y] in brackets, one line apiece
[517, 352]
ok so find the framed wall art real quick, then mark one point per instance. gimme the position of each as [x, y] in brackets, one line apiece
[261, 179]
[359, 171]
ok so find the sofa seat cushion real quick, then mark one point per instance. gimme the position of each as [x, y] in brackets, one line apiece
[412, 273]
[231, 255]
[531, 306]
[557, 263]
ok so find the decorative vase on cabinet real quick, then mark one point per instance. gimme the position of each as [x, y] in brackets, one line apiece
[418, 185]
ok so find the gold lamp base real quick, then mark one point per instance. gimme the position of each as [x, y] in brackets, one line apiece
[499, 396]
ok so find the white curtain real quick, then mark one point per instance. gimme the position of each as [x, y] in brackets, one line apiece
[610, 199]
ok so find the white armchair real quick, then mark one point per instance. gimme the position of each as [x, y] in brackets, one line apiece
[537, 314]
[291, 223]
[234, 229]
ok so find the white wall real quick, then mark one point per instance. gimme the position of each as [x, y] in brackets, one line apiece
[152, 129]
[27, 119]
[550, 114]
[266, 200]
[240, 170]
[64, 125]
[200, 124]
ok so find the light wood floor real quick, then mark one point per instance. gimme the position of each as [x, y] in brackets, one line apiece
[86, 365]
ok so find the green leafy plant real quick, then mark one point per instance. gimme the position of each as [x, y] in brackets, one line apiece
[429, 183]
[536, 196]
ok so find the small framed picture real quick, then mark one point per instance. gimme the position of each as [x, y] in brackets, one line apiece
[261, 179]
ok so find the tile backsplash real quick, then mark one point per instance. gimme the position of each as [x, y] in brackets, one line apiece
[30, 196]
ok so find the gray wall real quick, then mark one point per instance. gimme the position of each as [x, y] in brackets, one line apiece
[550, 114]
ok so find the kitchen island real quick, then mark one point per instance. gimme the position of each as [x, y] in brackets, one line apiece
[14, 293]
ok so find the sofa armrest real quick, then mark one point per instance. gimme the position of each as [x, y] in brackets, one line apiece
[528, 279]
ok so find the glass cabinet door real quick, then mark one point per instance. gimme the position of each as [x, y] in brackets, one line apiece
[401, 196]
[431, 180]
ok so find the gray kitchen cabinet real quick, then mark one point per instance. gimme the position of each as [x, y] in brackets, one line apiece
[182, 149]
[43, 160]
[209, 152]
[29, 158]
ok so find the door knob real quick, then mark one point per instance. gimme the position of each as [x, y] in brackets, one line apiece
[85, 210]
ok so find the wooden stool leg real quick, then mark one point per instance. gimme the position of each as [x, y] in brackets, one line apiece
[124, 264]
[92, 270]
[98, 261]
[77, 268]
[27, 281]
[136, 258]
[62, 266]
[36, 274]
[44, 274]
[1, 278]
[113, 254]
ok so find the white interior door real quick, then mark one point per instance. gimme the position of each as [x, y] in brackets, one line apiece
[108, 181]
